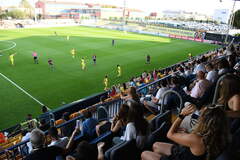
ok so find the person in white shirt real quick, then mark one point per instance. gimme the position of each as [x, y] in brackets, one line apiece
[56, 140]
[199, 67]
[201, 85]
[187, 71]
[153, 105]
[212, 75]
[26, 136]
[137, 127]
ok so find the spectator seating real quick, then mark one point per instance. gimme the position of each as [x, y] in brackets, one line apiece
[126, 150]
[160, 125]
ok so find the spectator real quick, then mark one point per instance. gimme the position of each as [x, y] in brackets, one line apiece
[181, 71]
[55, 138]
[29, 117]
[43, 125]
[123, 87]
[200, 85]
[102, 99]
[120, 120]
[153, 105]
[132, 82]
[187, 71]
[26, 136]
[206, 142]
[89, 125]
[155, 76]
[31, 123]
[137, 127]
[143, 91]
[40, 152]
[132, 95]
[212, 75]
[45, 114]
[144, 75]
[199, 67]
[2, 138]
[113, 92]
[223, 67]
[67, 129]
[230, 95]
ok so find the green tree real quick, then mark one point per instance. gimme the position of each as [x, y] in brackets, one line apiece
[16, 14]
[3, 14]
[28, 8]
[236, 21]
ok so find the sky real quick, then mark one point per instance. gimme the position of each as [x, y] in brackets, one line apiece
[201, 6]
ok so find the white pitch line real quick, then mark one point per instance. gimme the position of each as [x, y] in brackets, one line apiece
[13, 46]
[21, 89]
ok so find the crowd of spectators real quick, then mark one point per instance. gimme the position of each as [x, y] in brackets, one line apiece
[200, 131]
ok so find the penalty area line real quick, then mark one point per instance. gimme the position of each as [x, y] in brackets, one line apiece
[13, 46]
[9, 80]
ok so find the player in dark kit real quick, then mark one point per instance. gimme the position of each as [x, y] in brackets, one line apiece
[50, 63]
[94, 58]
[148, 59]
[35, 57]
[113, 42]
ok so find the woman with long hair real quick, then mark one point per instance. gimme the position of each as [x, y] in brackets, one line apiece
[229, 95]
[120, 120]
[206, 142]
[137, 126]
[132, 95]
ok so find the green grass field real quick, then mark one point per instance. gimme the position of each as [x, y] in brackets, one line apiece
[68, 82]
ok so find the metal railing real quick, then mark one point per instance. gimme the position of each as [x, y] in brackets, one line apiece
[22, 149]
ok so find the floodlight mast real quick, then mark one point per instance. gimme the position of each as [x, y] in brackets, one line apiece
[124, 14]
[230, 22]
[35, 14]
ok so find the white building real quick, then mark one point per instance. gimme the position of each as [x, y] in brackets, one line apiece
[221, 15]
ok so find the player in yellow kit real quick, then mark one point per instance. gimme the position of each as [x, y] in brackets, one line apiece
[11, 58]
[119, 71]
[68, 38]
[83, 64]
[73, 52]
[105, 82]
[190, 55]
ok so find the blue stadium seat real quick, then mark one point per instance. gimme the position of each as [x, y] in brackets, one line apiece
[108, 152]
[102, 114]
[159, 135]
[159, 119]
[125, 151]
[165, 117]
[232, 152]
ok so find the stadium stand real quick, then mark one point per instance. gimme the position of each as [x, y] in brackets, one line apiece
[222, 95]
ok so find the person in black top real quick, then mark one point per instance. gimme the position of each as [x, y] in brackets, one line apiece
[43, 125]
[42, 152]
[207, 141]
[67, 129]
[113, 42]
[148, 59]
[45, 114]
[94, 58]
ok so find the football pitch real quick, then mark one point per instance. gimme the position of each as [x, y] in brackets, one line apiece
[67, 82]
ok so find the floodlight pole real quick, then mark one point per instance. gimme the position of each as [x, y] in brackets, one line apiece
[124, 14]
[35, 15]
[230, 22]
